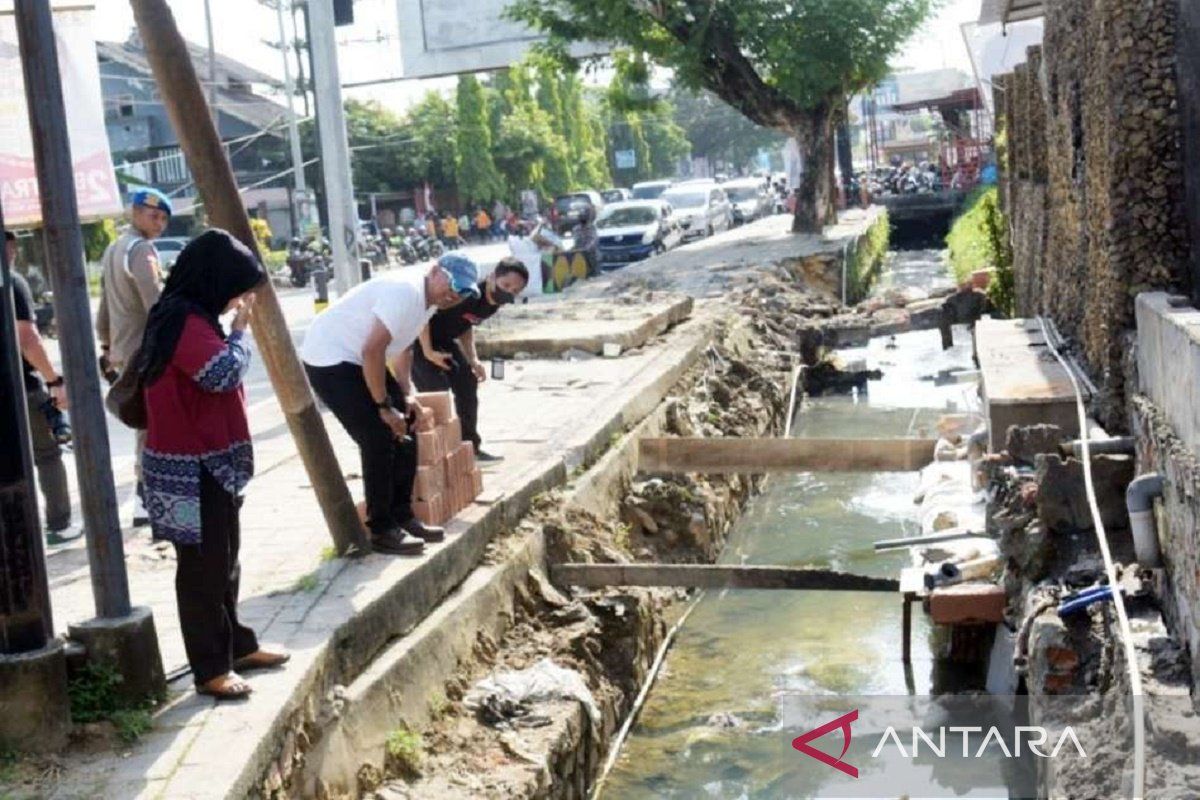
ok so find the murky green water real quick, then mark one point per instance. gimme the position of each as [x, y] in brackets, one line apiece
[719, 721]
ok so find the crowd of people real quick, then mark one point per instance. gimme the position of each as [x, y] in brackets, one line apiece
[367, 356]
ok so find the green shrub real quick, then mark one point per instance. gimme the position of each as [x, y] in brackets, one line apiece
[978, 239]
[95, 696]
[97, 236]
[404, 747]
[867, 259]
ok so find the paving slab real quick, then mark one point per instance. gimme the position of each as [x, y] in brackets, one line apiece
[580, 325]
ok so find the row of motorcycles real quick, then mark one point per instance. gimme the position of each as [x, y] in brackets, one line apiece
[409, 246]
[922, 178]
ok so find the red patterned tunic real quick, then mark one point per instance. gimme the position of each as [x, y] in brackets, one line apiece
[196, 419]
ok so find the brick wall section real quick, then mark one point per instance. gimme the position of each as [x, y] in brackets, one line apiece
[1094, 177]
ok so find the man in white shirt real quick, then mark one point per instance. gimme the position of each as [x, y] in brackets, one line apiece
[346, 352]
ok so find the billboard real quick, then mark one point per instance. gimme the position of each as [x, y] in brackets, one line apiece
[439, 38]
[95, 183]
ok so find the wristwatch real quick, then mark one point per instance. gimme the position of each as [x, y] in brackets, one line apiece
[57, 382]
[385, 403]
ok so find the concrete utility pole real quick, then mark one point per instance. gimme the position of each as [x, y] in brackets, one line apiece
[293, 128]
[335, 151]
[121, 635]
[184, 101]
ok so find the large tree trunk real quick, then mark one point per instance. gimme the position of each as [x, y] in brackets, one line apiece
[815, 201]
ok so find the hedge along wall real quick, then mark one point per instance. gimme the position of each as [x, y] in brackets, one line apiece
[1093, 177]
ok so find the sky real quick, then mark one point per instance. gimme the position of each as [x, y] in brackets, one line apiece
[369, 49]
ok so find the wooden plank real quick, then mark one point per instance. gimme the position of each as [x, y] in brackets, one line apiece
[716, 576]
[749, 455]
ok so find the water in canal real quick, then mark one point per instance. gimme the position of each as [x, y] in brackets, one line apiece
[719, 722]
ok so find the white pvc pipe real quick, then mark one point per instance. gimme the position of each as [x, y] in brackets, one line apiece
[1139, 502]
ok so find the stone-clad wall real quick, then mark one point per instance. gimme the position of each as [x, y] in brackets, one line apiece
[1093, 176]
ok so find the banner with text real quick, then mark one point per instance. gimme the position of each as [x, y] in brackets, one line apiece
[95, 182]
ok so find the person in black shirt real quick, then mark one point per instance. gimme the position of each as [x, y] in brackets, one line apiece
[41, 401]
[444, 355]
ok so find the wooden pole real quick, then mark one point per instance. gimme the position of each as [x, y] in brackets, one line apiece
[748, 455]
[186, 107]
[64, 261]
[716, 576]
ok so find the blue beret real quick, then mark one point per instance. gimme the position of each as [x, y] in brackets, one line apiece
[152, 198]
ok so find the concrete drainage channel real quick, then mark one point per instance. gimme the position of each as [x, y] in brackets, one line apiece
[405, 726]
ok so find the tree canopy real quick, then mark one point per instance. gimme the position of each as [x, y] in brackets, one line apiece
[475, 173]
[784, 64]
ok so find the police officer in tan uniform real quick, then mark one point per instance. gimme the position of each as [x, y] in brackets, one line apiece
[130, 283]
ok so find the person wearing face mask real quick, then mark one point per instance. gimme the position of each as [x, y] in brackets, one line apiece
[444, 357]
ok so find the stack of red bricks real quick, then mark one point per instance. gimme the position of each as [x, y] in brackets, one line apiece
[447, 479]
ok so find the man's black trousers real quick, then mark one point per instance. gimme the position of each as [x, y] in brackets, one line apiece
[388, 465]
[459, 380]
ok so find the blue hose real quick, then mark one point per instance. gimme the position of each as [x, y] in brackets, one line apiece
[1083, 599]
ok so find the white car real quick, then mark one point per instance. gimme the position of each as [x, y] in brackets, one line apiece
[701, 209]
[634, 230]
[650, 190]
[748, 199]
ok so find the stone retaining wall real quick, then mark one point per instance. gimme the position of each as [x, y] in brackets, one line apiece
[1093, 176]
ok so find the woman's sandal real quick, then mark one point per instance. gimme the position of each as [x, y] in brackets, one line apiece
[229, 686]
[261, 659]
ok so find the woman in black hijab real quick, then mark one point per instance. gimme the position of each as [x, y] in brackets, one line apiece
[198, 456]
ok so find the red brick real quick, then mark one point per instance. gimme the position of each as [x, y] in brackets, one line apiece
[453, 432]
[430, 481]
[967, 602]
[1054, 683]
[441, 403]
[466, 452]
[428, 449]
[476, 483]
[1062, 659]
[429, 511]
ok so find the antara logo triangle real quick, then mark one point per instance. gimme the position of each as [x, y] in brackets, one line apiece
[801, 743]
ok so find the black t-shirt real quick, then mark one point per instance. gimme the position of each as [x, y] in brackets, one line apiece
[446, 326]
[23, 301]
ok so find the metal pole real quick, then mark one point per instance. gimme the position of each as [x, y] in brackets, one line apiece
[184, 101]
[212, 67]
[299, 4]
[25, 620]
[335, 151]
[64, 257]
[293, 128]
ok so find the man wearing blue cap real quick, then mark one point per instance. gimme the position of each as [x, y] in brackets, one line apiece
[346, 353]
[130, 282]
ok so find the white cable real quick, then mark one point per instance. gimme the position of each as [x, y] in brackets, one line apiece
[1135, 676]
